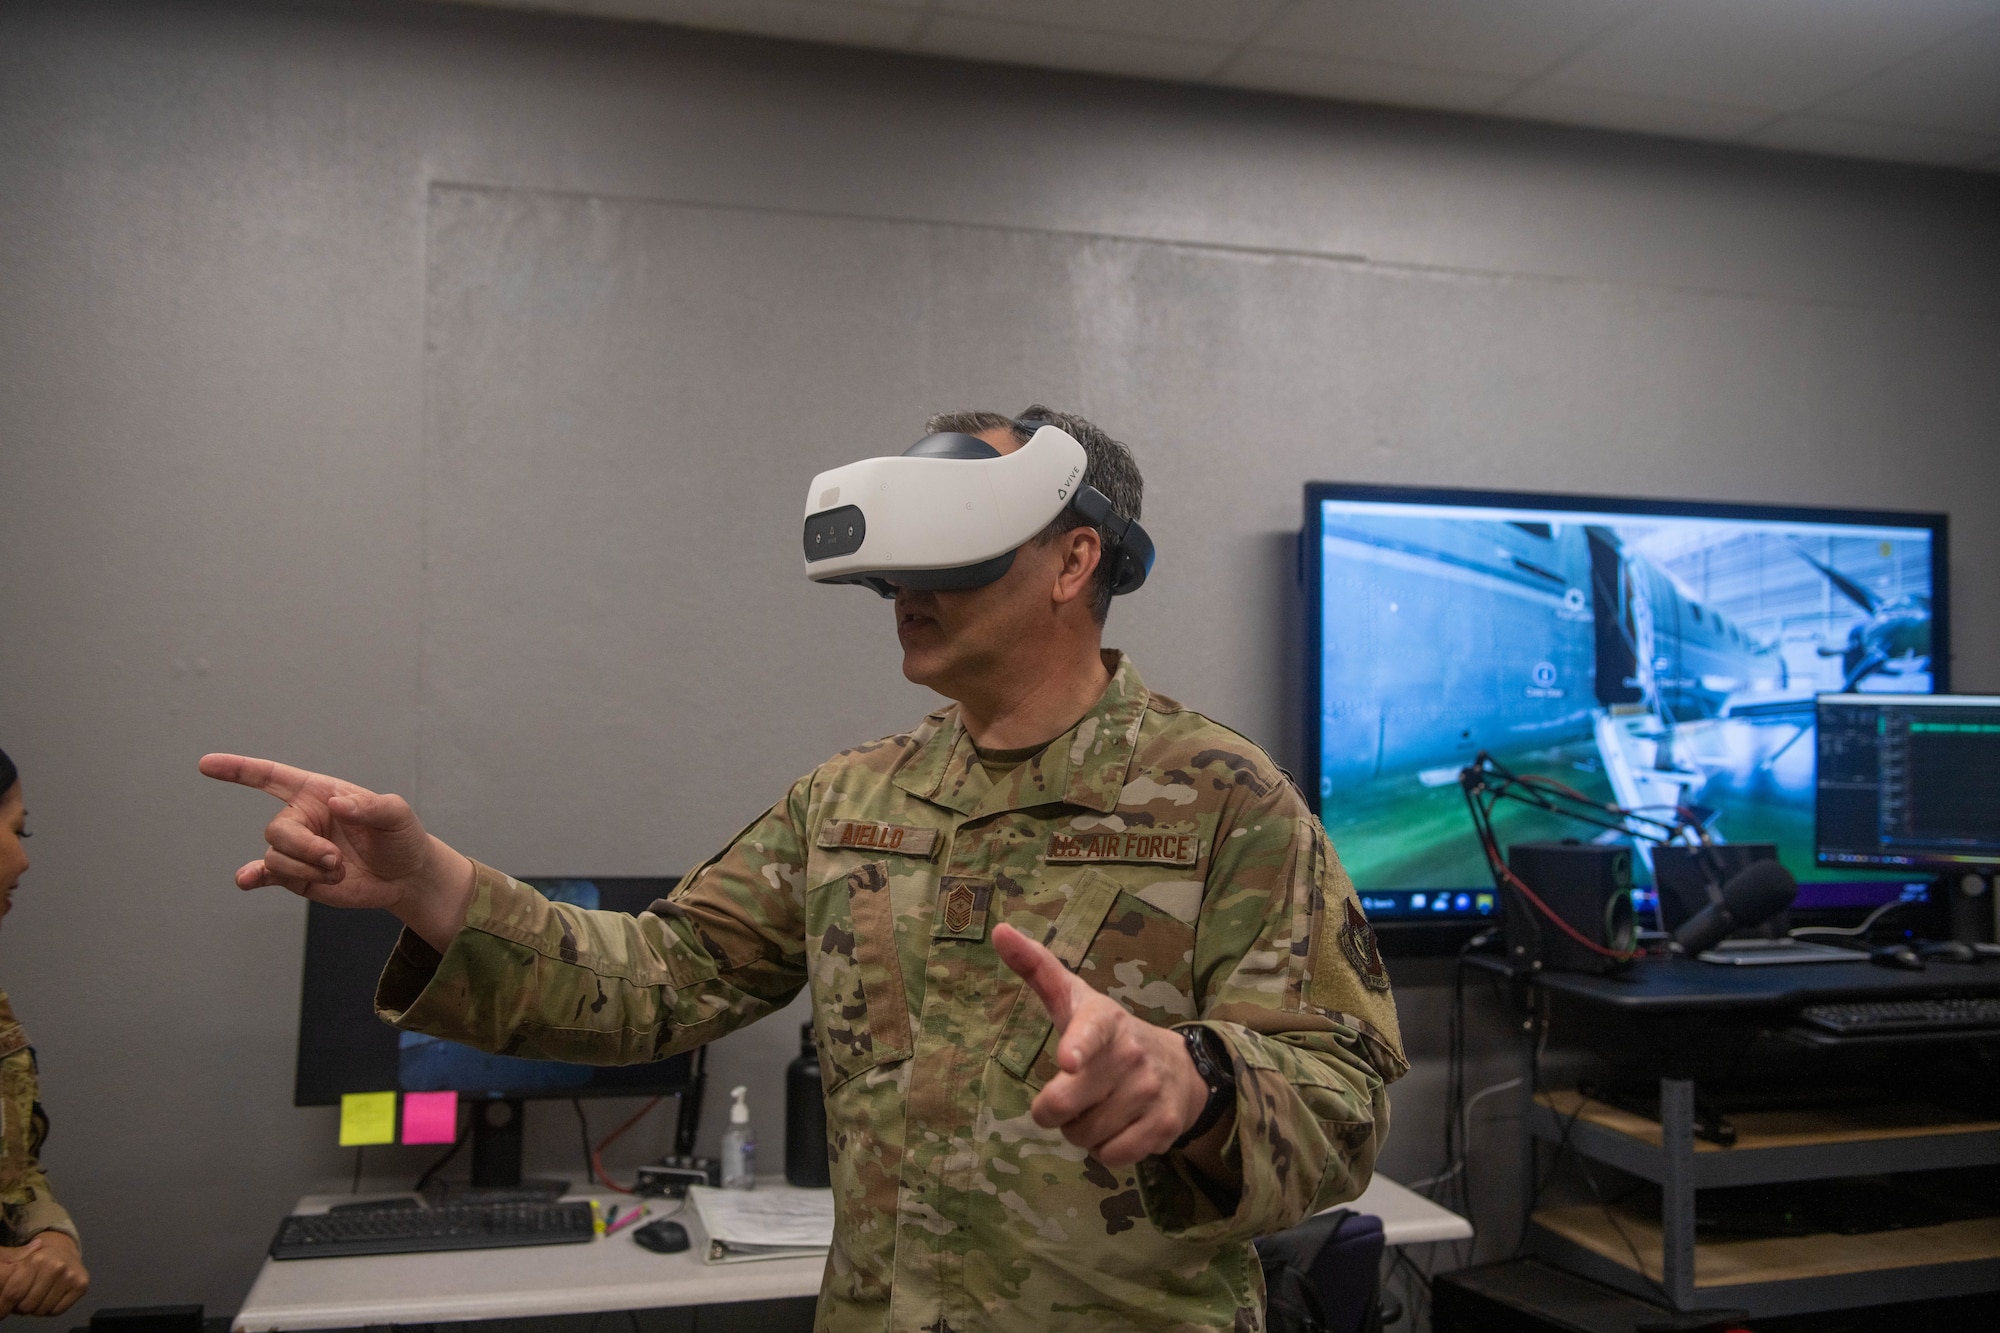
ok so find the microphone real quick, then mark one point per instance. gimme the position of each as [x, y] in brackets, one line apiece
[1752, 897]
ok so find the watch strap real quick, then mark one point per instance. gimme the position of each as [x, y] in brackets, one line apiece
[1217, 1069]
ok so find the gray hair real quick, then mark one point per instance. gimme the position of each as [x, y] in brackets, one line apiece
[1108, 467]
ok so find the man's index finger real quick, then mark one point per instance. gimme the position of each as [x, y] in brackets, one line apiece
[266, 775]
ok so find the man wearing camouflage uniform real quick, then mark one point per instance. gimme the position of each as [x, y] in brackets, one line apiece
[1093, 1012]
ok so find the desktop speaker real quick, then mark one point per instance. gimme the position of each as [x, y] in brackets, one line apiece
[1589, 887]
[1681, 878]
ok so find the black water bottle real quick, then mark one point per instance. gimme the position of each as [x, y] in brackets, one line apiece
[805, 1118]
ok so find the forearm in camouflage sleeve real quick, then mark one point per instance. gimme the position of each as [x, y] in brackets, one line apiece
[1303, 1004]
[41, 1213]
[545, 980]
[27, 1205]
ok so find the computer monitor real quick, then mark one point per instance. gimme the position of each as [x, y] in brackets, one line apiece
[1650, 653]
[1909, 782]
[344, 1047]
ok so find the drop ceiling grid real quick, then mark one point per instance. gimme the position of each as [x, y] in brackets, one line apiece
[1903, 80]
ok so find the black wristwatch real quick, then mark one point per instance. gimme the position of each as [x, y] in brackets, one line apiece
[1217, 1069]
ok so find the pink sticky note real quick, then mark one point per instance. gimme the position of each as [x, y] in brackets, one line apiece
[430, 1117]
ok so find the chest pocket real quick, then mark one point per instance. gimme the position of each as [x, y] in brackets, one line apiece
[1121, 944]
[861, 1016]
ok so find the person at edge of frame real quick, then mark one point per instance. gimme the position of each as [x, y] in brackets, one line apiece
[1205, 1055]
[41, 1257]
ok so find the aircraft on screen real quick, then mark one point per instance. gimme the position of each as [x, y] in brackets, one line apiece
[1450, 635]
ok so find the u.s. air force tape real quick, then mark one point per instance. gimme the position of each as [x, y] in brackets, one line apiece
[1151, 846]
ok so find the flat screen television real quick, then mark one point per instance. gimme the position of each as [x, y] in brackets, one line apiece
[1650, 653]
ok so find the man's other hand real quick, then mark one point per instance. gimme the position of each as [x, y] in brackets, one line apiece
[46, 1276]
[346, 846]
[1127, 1089]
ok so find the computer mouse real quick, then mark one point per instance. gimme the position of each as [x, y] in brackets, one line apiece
[1897, 955]
[662, 1237]
[1950, 951]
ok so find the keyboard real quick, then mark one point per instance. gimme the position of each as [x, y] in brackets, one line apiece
[406, 1230]
[1868, 1017]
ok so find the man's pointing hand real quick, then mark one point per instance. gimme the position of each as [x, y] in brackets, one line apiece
[1127, 1089]
[346, 846]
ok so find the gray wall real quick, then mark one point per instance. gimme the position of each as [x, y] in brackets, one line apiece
[424, 395]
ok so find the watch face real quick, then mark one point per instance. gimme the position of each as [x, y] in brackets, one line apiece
[1211, 1058]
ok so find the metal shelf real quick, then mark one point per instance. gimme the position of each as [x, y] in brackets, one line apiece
[1801, 1294]
[1666, 1153]
[1871, 1150]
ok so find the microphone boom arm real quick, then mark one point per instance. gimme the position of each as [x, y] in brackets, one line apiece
[1486, 782]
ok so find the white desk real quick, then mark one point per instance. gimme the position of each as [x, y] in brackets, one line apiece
[1408, 1218]
[609, 1273]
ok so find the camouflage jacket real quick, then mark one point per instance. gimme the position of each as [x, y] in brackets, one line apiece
[1162, 857]
[26, 1205]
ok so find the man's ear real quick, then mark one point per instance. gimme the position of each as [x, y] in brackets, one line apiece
[1081, 548]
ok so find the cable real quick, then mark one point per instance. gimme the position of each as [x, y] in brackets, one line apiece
[1611, 1218]
[1427, 1181]
[596, 1156]
[1482, 1095]
[1465, 1132]
[1416, 1287]
[1472, 783]
[464, 1132]
[1502, 869]
[583, 1132]
[593, 1161]
[357, 1171]
[1852, 931]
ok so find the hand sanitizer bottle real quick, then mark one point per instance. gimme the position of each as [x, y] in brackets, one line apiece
[739, 1146]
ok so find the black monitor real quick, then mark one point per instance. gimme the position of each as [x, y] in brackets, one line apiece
[344, 1047]
[1648, 653]
[1909, 782]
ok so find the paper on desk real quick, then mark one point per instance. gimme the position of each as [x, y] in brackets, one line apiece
[763, 1224]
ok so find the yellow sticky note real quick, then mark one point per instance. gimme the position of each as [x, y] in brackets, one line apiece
[367, 1117]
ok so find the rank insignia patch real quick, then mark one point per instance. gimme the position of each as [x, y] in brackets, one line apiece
[961, 908]
[1357, 941]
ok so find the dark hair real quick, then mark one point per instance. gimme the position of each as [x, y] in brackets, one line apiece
[1108, 467]
[9, 775]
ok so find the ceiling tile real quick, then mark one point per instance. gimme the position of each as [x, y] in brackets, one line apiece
[1909, 80]
[1068, 48]
[1621, 111]
[1854, 138]
[1781, 55]
[1365, 81]
[1181, 20]
[1953, 86]
[882, 23]
[1522, 37]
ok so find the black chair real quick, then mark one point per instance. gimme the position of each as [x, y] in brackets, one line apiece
[1325, 1276]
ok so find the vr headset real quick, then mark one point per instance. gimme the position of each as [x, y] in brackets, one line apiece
[951, 510]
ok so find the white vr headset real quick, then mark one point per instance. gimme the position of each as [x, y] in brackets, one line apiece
[951, 510]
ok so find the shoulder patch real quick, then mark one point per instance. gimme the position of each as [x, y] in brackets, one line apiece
[1357, 941]
[864, 835]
